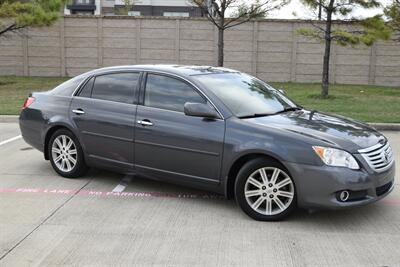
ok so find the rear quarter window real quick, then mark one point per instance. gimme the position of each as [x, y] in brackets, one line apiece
[117, 87]
[86, 90]
[67, 88]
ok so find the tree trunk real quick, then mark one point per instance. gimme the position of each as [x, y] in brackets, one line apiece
[325, 69]
[320, 10]
[220, 47]
[327, 53]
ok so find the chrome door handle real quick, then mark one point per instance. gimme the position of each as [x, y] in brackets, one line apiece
[78, 111]
[145, 123]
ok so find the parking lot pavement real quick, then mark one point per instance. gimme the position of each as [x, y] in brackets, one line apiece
[47, 220]
[8, 131]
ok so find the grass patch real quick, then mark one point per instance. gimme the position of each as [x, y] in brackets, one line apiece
[14, 90]
[361, 102]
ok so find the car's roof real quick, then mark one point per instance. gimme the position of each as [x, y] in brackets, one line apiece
[175, 69]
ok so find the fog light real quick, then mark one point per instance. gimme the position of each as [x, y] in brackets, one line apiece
[344, 195]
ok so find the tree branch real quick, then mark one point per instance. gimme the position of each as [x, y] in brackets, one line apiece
[236, 24]
[11, 28]
[248, 15]
[207, 13]
[316, 26]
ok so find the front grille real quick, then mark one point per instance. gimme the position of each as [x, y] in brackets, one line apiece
[379, 157]
[383, 189]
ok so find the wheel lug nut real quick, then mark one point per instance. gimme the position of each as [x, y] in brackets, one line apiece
[275, 190]
[263, 188]
[271, 196]
[264, 195]
[270, 185]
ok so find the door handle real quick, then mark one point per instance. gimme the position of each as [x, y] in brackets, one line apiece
[145, 122]
[78, 111]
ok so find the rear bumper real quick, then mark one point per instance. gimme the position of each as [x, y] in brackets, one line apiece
[31, 130]
[319, 186]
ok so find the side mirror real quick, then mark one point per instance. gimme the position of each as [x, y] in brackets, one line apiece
[200, 110]
[282, 91]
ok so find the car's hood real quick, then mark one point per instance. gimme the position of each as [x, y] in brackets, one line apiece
[334, 130]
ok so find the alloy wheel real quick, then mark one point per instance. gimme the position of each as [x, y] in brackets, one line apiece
[64, 153]
[269, 191]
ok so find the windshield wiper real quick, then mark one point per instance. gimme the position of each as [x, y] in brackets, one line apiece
[255, 115]
[287, 109]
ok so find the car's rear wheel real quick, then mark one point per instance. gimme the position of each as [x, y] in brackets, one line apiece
[66, 155]
[264, 190]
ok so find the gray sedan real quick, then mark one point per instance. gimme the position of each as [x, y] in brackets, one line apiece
[215, 129]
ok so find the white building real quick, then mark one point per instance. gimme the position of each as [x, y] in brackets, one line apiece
[182, 8]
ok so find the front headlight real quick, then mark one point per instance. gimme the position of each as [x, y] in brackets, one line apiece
[336, 157]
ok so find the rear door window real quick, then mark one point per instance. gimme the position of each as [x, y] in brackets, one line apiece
[117, 87]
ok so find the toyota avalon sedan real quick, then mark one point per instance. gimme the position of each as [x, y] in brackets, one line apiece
[215, 129]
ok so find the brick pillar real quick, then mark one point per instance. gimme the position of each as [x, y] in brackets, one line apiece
[293, 61]
[62, 47]
[25, 53]
[177, 41]
[99, 42]
[138, 27]
[372, 65]
[255, 49]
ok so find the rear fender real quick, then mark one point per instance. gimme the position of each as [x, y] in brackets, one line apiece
[54, 124]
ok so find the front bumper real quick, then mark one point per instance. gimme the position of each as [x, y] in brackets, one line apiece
[319, 186]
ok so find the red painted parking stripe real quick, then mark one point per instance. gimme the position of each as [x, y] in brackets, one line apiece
[109, 193]
[388, 200]
[393, 201]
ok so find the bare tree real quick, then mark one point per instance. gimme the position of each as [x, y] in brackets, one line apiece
[217, 12]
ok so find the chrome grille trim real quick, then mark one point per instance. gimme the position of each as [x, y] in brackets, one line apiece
[379, 157]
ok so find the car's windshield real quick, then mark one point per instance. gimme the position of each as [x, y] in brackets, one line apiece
[245, 95]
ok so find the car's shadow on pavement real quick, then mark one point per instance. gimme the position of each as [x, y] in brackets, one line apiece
[352, 219]
[368, 218]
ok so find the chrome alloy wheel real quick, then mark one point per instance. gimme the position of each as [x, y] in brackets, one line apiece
[269, 191]
[64, 153]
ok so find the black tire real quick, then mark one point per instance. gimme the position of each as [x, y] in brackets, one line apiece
[80, 168]
[251, 168]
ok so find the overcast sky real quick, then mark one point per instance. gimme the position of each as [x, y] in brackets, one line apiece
[303, 13]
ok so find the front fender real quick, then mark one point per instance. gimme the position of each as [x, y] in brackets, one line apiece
[243, 138]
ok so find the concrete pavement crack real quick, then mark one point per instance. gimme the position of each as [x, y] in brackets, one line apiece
[44, 221]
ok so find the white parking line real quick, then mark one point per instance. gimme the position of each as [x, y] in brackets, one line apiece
[123, 184]
[10, 140]
[119, 188]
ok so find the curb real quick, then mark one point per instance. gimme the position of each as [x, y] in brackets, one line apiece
[378, 126]
[8, 118]
[385, 126]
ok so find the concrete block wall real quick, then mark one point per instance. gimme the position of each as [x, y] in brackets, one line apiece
[269, 49]
[13, 55]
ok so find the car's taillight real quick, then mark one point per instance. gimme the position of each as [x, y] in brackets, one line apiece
[28, 102]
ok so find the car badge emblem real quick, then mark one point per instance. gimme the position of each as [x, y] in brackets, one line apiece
[386, 157]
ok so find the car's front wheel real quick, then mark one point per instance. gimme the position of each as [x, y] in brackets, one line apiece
[264, 190]
[66, 155]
